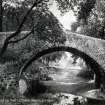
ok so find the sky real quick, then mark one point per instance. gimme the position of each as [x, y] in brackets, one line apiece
[66, 20]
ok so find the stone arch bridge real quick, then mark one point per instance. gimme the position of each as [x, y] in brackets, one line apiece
[92, 50]
[92, 47]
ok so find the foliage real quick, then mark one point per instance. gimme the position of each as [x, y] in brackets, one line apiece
[38, 70]
[94, 23]
[85, 9]
[86, 74]
[40, 5]
[8, 84]
[49, 28]
[46, 24]
[13, 14]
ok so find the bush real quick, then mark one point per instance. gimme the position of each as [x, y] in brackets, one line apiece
[86, 74]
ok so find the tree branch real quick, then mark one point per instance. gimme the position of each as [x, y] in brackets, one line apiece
[6, 42]
[24, 19]
[15, 41]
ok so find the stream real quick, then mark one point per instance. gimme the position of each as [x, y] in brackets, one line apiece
[67, 75]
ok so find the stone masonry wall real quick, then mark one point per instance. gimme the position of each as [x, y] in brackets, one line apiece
[94, 47]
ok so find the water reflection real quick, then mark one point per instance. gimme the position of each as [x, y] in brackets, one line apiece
[69, 72]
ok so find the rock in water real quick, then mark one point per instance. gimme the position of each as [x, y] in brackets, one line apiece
[22, 86]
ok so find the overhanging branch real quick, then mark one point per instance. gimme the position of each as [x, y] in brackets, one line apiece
[6, 42]
[25, 18]
[15, 41]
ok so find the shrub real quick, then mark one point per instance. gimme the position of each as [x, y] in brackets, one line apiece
[86, 74]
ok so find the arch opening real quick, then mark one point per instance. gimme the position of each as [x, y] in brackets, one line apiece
[97, 69]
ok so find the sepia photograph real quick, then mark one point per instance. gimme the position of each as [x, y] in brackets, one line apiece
[52, 52]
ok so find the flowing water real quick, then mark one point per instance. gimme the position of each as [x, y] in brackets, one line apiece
[67, 75]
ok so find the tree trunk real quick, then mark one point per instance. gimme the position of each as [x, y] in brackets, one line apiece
[1, 15]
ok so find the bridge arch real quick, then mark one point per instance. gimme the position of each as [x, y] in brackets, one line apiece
[97, 69]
